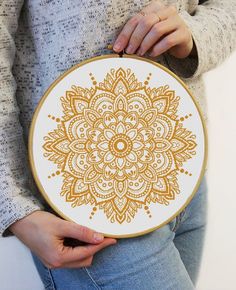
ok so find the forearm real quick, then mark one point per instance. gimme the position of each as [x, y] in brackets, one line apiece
[16, 200]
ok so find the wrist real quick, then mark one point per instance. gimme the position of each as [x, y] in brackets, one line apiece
[19, 225]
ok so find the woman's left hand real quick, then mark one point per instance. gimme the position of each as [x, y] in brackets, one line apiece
[158, 30]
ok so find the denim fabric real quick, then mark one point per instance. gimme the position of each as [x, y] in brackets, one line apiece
[165, 259]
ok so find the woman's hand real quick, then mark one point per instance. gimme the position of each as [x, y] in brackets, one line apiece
[44, 234]
[160, 29]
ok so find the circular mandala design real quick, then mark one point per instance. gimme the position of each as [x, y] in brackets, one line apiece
[119, 145]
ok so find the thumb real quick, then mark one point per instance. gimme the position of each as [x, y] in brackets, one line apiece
[82, 233]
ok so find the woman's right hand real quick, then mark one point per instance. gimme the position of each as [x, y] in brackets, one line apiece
[44, 234]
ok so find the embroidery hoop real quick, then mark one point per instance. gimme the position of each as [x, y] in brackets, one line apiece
[33, 137]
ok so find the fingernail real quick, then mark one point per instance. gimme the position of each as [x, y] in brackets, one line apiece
[140, 53]
[113, 243]
[98, 237]
[151, 54]
[129, 49]
[117, 46]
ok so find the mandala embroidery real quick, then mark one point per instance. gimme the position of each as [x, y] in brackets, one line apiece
[119, 145]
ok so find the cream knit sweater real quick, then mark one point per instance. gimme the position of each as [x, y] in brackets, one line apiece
[41, 39]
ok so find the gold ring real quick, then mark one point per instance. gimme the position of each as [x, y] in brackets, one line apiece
[159, 18]
[142, 13]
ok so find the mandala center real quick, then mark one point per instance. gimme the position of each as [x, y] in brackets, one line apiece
[120, 145]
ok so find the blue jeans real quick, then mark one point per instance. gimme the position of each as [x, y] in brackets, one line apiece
[165, 259]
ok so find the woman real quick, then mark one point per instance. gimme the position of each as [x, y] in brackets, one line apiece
[45, 38]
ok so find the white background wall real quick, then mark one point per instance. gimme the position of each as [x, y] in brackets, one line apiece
[218, 271]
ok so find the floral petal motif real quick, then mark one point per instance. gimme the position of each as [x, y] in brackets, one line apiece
[120, 87]
[162, 145]
[109, 119]
[120, 162]
[166, 125]
[80, 186]
[132, 157]
[102, 189]
[102, 102]
[147, 156]
[178, 145]
[137, 145]
[132, 119]
[78, 100]
[150, 115]
[91, 175]
[78, 146]
[120, 189]
[120, 129]
[74, 126]
[73, 164]
[121, 203]
[120, 104]
[109, 172]
[94, 157]
[146, 133]
[104, 146]
[60, 146]
[91, 116]
[161, 185]
[109, 157]
[132, 133]
[132, 173]
[108, 134]
[150, 174]
[162, 104]
[94, 134]
[138, 102]
[79, 104]
[167, 164]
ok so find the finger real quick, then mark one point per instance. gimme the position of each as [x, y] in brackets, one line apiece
[124, 36]
[82, 233]
[143, 27]
[78, 264]
[157, 32]
[76, 254]
[167, 42]
[145, 24]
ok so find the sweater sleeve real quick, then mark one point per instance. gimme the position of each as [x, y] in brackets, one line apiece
[16, 199]
[213, 28]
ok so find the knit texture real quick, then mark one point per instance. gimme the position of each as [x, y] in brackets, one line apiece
[41, 39]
